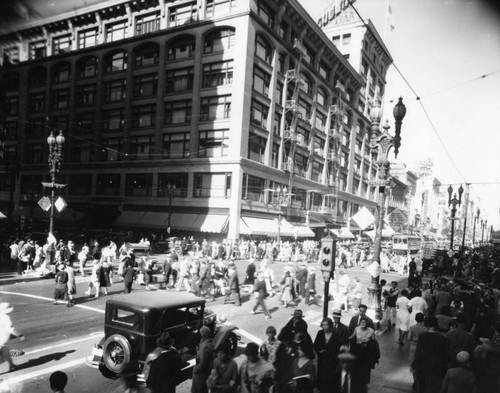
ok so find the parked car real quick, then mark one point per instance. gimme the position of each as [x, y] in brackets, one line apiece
[133, 322]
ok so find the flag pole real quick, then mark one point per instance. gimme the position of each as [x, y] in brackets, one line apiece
[387, 16]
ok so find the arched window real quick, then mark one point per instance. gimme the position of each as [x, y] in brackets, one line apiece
[181, 47]
[219, 40]
[306, 84]
[37, 77]
[10, 81]
[87, 67]
[61, 72]
[263, 49]
[146, 55]
[322, 96]
[116, 62]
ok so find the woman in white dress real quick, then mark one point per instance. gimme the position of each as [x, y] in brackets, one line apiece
[402, 316]
[417, 304]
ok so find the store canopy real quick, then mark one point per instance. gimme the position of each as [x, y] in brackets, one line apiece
[343, 233]
[268, 227]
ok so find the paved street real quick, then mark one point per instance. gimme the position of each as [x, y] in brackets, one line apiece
[58, 337]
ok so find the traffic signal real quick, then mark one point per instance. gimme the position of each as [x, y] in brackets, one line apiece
[327, 255]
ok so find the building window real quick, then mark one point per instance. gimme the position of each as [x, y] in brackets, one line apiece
[144, 116]
[318, 145]
[108, 184]
[317, 170]
[87, 68]
[301, 163]
[324, 71]
[37, 77]
[178, 112]
[113, 120]
[35, 128]
[34, 154]
[116, 62]
[146, 85]
[259, 113]
[263, 50]
[11, 130]
[37, 50]
[10, 82]
[61, 72]
[306, 84]
[320, 121]
[252, 187]
[80, 184]
[215, 108]
[176, 145]
[85, 122]
[147, 55]
[60, 99]
[111, 149]
[283, 30]
[61, 44]
[11, 106]
[276, 124]
[36, 102]
[183, 14]
[304, 110]
[261, 81]
[218, 74]
[115, 91]
[265, 13]
[309, 56]
[178, 180]
[179, 80]
[217, 185]
[141, 147]
[116, 31]
[321, 97]
[219, 40]
[219, 7]
[257, 148]
[346, 39]
[336, 40]
[344, 160]
[281, 62]
[11, 55]
[88, 38]
[147, 24]
[181, 48]
[279, 90]
[60, 122]
[213, 143]
[139, 184]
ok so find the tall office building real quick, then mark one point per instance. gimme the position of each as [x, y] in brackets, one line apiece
[212, 115]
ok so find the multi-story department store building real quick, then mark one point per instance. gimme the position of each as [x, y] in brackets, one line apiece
[199, 109]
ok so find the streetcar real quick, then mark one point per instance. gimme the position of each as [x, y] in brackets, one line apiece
[403, 244]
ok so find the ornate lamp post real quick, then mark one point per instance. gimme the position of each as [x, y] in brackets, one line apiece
[383, 143]
[171, 195]
[476, 218]
[454, 202]
[55, 154]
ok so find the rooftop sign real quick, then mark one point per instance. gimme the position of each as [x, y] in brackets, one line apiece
[334, 10]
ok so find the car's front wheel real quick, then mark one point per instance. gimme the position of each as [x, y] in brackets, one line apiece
[116, 353]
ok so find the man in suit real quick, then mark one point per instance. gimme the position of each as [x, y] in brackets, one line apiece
[345, 380]
[355, 319]
[165, 368]
[339, 328]
[234, 285]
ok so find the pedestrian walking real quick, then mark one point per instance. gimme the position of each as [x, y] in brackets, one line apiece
[270, 347]
[224, 375]
[327, 346]
[303, 371]
[61, 287]
[233, 285]
[58, 381]
[287, 291]
[95, 280]
[260, 293]
[82, 258]
[165, 368]
[204, 362]
[7, 331]
[128, 275]
[71, 283]
[256, 374]
[402, 316]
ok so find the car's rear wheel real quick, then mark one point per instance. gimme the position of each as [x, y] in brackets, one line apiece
[116, 353]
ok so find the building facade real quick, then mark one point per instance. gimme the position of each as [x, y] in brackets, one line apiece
[191, 114]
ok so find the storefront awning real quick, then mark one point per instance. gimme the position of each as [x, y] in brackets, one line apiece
[129, 218]
[212, 223]
[268, 227]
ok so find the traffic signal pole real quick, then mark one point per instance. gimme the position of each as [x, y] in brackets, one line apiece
[327, 265]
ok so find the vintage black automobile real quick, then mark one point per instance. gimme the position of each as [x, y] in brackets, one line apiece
[134, 321]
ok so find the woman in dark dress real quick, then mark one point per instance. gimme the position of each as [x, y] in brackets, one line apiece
[303, 371]
[250, 277]
[327, 347]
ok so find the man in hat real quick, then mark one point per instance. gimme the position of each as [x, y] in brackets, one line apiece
[233, 284]
[61, 286]
[294, 325]
[459, 379]
[260, 292]
[345, 375]
[340, 330]
[165, 368]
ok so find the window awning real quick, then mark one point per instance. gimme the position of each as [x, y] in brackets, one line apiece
[154, 220]
[268, 227]
[211, 223]
[129, 218]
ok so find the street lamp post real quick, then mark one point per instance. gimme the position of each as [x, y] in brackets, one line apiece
[171, 195]
[454, 202]
[281, 196]
[476, 218]
[383, 143]
[55, 154]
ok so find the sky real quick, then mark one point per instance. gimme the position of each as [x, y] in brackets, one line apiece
[449, 52]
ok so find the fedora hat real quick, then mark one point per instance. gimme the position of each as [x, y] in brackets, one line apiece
[5, 308]
[337, 313]
[164, 341]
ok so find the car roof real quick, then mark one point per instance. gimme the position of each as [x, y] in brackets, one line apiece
[155, 300]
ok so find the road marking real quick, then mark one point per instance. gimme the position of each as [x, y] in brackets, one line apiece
[250, 336]
[50, 299]
[35, 374]
[92, 336]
